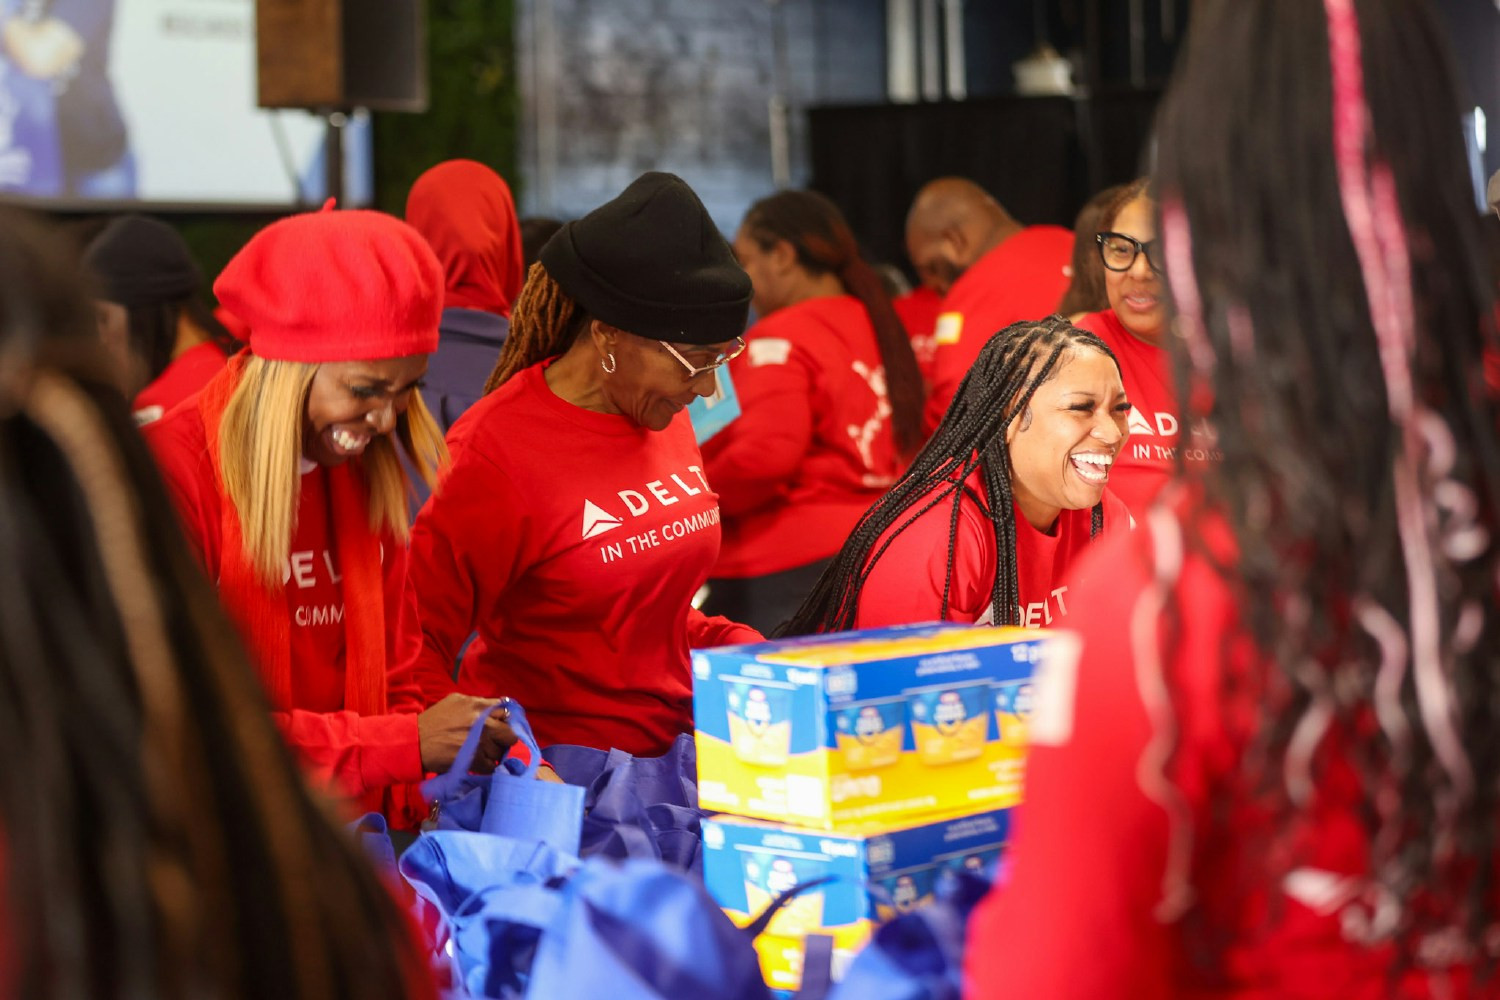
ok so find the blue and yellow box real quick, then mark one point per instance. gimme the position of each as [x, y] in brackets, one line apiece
[875, 870]
[885, 723]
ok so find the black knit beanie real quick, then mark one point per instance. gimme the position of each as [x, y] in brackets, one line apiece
[138, 261]
[651, 262]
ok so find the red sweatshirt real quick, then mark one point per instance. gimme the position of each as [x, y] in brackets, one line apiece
[360, 754]
[1094, 854]
[1025, 277]
[907, 582]
[1149, 458]
[573, 542]
[188, 372]
[812, 448]
[919, 310]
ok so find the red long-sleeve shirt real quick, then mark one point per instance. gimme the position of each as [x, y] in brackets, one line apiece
[573, 542]
[1095, 858]
[359, 754]
[813, 446]
[907, 583]
[1023, 278]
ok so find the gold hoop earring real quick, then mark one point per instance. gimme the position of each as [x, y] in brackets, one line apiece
[610, 366]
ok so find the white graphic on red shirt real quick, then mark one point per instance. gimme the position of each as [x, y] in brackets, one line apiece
[315, 571]
[864, 435]
[596, 521]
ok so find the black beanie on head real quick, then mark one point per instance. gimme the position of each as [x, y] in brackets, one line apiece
[138, 261]
[653, 263]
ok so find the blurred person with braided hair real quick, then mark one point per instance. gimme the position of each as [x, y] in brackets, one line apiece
[577, 522]
[287, 479]
[1266, 764]
[156, 839]
[1004, 498]
[831, 408]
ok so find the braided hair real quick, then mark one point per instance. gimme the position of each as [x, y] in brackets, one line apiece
[544, 322]
[160, 841]
[1336, 314]
[824, 244]
[997, 390]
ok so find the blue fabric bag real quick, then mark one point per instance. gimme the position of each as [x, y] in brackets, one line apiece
[510, 802]
[637, 807]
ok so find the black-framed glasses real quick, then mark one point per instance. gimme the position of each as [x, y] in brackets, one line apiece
[1118, 251]
[723, 358]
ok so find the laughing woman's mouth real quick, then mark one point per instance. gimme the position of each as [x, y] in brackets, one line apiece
[1092, 466]
[346, 442]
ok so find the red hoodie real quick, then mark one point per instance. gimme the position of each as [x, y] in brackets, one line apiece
[1023, 278]
[189, 372]
[465, 212]
[573, 542]
[360, 754]
[1082, 915]
[907, 583]
[812, 448]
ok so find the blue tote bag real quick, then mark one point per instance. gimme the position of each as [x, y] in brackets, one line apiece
[510, 802]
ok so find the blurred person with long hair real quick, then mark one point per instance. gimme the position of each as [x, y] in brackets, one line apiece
[156, 839]
[831, 408]
[1266, 765]
[288, 482]
[1005, 497]
[165, 342]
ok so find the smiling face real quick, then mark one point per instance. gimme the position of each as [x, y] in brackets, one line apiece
[648, 384]
[353, 402]
[1136, 295]
[1063, 446]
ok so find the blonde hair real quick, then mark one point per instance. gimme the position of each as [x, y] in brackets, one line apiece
[260, 449]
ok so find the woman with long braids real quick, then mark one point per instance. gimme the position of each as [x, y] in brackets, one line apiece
[290, 487]
[1267, 763]
[155, 837]
[1004, 498]
[831, 403]
[576, 522]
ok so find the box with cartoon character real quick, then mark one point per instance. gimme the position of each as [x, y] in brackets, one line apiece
[874, 871]
[884, 723]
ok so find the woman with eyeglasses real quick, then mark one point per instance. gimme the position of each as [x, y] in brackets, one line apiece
[1135, 327]
[832, 406]
[577, 521]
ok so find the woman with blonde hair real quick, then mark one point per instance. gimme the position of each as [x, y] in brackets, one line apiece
[288, 481]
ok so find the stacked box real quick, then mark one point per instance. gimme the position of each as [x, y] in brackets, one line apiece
[878, 758]
[876, 870]
[889, 723]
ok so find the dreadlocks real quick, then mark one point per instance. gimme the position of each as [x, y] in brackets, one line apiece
[159, 839]
[543, 324]
[996, 391]
[1322, 249]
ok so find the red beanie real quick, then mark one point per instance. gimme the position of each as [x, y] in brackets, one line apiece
[336, 286]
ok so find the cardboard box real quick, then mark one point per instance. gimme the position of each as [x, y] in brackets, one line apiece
[885, 723]
[876, 871]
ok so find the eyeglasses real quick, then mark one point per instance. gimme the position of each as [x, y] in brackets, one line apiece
[718, 362]
[1119, 251]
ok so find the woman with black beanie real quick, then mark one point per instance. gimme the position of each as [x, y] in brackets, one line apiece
[577, 522]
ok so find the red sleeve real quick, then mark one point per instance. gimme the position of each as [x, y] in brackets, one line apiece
[403, 632]
[177, 443]
[705, 631]
[750, 461]
[465, 554]
[354, 753]
[906, 584]
[1076, 918]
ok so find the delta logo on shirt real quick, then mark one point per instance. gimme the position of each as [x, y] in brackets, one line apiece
[1166, 426]
[602, 518]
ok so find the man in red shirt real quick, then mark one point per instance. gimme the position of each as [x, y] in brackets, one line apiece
[991, 271]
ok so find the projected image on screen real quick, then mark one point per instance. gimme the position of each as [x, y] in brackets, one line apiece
[108, 101]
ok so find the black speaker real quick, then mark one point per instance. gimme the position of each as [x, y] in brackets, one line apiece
[341, 54]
